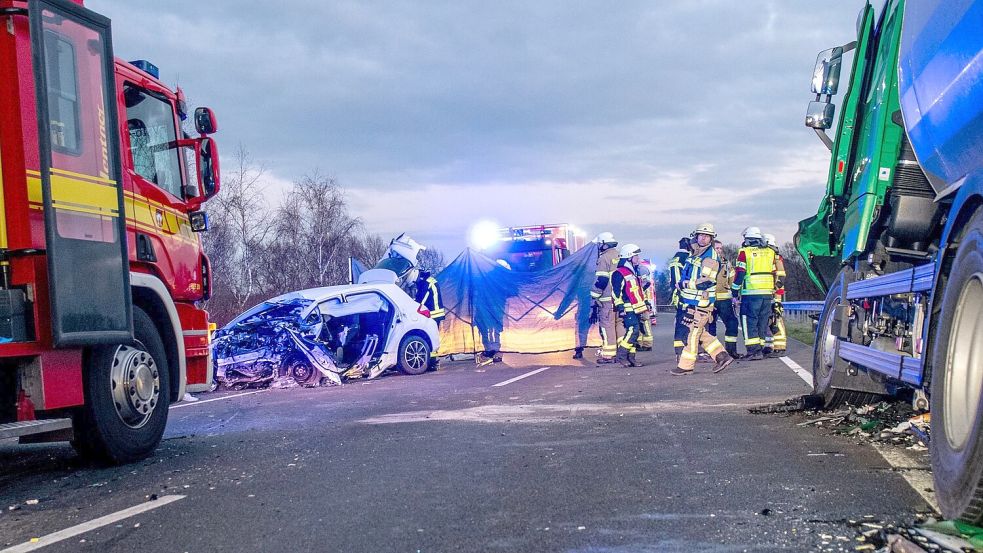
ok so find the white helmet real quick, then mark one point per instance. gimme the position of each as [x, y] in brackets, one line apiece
[752, 232]
[629, 250]
[770, 239]
[605, 238]
[705, 228]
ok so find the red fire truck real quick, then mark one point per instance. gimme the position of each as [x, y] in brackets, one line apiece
[534, 248]
[101, 269]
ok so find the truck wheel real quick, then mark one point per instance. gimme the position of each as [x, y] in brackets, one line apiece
[127, 395]
[957, 384]
[414, 354]
[825, 361]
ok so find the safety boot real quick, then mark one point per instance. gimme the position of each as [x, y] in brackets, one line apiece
[606, 361]
[757, 356]
[632, 362]
[723, 360]
[732, 350]
[678, 371]
[775, 353]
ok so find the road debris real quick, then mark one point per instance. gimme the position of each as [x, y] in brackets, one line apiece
[893, 422]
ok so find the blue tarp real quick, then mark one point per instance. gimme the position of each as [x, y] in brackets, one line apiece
[492, 308]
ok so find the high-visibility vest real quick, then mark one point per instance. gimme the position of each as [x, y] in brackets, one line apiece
[630, 295]
[759, 267]
[696, 270]
[431, 300]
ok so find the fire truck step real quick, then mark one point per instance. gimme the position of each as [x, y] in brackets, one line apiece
[26, 428]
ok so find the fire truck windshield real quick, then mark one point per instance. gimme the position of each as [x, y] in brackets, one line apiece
[150, 122]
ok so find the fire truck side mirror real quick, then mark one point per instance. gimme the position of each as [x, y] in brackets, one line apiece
[208, 175]
[205, 121]
[206, 158]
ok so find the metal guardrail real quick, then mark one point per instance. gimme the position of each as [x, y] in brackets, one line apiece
[804, 306]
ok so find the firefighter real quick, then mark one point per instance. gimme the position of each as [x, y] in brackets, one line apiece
[629, 303]
[646, 276]
[602, 306]
[676, 265]
[754, 281]
[428, 296]
[724, 307]
[777, 340]
[697, 293]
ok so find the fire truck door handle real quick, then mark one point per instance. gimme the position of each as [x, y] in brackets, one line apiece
[145, 248]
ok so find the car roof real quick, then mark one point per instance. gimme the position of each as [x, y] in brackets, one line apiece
[324, 292]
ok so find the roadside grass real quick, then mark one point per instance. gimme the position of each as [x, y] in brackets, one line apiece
[801, 331]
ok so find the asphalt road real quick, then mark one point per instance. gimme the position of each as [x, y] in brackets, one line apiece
[572, 458]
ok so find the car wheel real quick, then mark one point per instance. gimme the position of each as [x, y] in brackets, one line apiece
[957, 384]
[414, 354]
[303, 372]
[127, 395]
[826, 362]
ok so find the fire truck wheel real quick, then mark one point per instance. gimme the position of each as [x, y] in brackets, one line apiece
[126, 398]
[957, 384]
[825, 361]
[414, 354]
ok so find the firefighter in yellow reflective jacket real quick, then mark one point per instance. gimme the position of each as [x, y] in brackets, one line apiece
[754, 280]
[602, 310]
[724, 309]
[777, 339]
[675, 266]
[698, 292]
[646, 276]
[428, 296]
[629, 302]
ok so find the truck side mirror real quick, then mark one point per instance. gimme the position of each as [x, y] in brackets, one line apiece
[820, 115]
[207, 163]
[205, 121]
[826, 74]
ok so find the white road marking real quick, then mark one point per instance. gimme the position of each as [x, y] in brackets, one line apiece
[520, 377]
[43, 541]
[199, 402]
[920, 479]
[803, 374]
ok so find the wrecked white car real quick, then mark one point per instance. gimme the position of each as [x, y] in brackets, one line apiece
[326, 335]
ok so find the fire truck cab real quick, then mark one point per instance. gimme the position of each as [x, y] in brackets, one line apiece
[101, 266]
[535, 248]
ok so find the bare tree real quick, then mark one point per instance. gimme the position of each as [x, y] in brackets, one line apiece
[240, 212]
[431, 260]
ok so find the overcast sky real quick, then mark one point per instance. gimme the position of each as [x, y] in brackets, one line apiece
[642, 118]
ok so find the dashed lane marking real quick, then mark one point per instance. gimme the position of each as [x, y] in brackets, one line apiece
[520, 377]
[44, 541]
[920, 479]
[803, 374]
[199, 402]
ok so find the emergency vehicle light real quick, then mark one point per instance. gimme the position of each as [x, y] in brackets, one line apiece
[147, 67]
